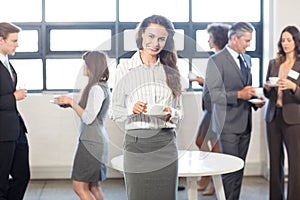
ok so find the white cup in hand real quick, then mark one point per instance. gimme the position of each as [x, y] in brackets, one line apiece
[21, 85]
[259, 92]
[192, 76]
[273, 80]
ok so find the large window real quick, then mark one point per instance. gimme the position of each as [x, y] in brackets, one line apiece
[53, 40]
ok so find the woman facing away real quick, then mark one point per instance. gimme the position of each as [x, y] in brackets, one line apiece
[91, 158]
[283, 115]
[206, 140]
[150, 80]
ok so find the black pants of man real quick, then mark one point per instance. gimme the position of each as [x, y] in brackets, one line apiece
[236, 145]
[14, 168]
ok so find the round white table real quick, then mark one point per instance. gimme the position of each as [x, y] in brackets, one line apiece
[194, 164]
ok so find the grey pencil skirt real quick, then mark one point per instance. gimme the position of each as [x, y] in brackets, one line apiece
[151, 164]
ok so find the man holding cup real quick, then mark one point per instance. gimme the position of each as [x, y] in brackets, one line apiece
[14, 162]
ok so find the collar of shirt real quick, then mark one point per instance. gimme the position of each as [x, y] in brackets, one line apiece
[235, 55]
[2, 58]
[137, 61]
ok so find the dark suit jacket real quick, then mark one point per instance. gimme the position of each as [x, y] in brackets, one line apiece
[223, 80]
[11, 122]
[290, 100]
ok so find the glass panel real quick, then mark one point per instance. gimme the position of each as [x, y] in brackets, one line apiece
[63, 73]
[130, 44]
[255, 72]
[68, 73]
[183, 66]
[80, 40]
[80, 11]
[30, 73]
[199, 68]
[112, 66]
[226, 11]
[15, 10]
[129, 40]
[179, 39]
[202, 41]
[166, 8]
[28, 41]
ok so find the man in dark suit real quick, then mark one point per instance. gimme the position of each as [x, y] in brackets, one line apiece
[14, 162]
[229, 80]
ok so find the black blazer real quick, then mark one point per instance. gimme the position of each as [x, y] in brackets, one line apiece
[11, 122]
[290, 100]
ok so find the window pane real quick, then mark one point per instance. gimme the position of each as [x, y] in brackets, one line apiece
[112, 66]
[226, 11]
[30, 73]
[15, 10]
[255, 72]
[80, 11]
[183, 65]
[179, 39]
[63, 73]
[166, 8]
[28, 41]
[130, 44]
[129, 40]
[202, 41]
[199, 68]
[68, 73]
[80, 40]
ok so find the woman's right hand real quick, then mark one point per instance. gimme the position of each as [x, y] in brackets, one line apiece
[139, 107]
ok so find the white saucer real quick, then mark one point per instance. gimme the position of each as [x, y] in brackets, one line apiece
[156, 110]
[256, 101]
[159, 115]
[271, 85]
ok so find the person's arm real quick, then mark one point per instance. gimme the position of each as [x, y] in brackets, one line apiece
[66, 102]
[7, 102]
[94, 103]
[176, 111]
[194, 77]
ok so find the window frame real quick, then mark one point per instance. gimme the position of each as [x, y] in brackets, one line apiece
[117, 46]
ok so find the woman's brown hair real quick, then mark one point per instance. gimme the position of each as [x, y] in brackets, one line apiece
[168, 56]
[96, 63]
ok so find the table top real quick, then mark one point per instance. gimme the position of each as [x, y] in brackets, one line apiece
[198, 163]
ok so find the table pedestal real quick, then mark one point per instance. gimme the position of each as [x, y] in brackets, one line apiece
[191, 184]
[217, 180]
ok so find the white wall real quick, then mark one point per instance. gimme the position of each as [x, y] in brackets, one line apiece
[53, 131]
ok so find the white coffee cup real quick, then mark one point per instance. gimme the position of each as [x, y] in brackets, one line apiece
[156, 108]
[259, 92]
[273, 80]
[192, 75]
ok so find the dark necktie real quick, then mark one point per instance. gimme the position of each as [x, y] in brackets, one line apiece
[243, 70]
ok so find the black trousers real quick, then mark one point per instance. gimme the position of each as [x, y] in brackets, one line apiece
[236, 145]
[14, 168]
[279, 134]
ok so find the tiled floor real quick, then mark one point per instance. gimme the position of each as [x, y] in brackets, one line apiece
[253, 188]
